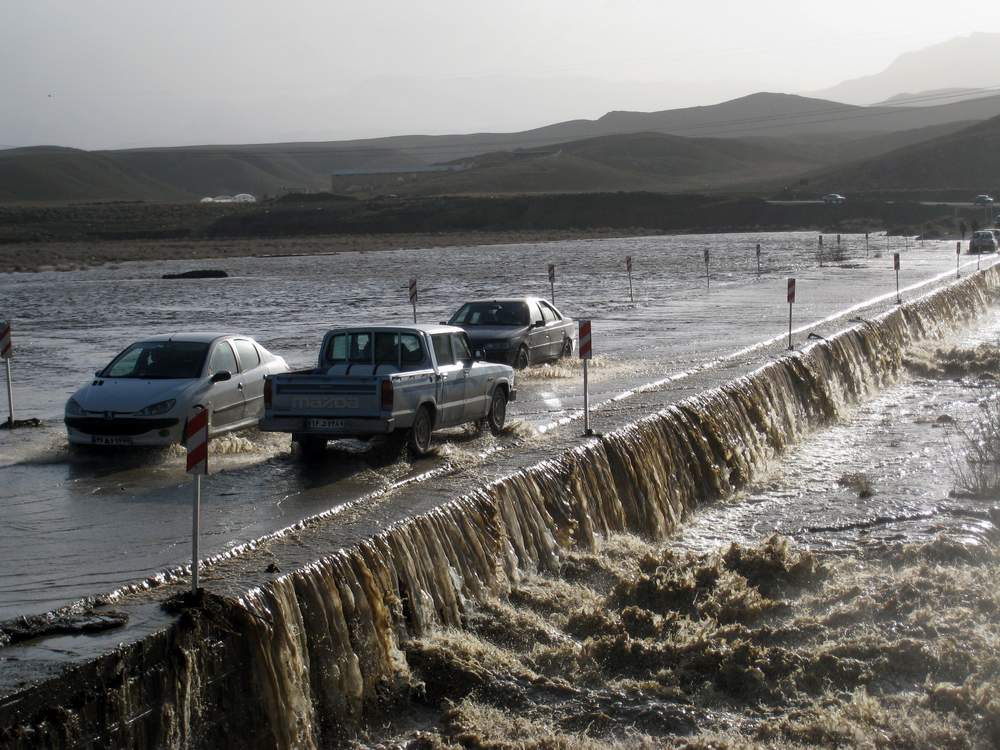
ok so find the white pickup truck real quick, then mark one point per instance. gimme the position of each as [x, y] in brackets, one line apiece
[386, 380]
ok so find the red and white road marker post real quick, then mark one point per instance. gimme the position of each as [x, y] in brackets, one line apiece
[895, 266]
[758, 260]
[413, 299]
[791, 301]
[196, 442]
[586, 354]
[7, 354]
[820, 251]
[708, 279]
[552, 281]
[958, 259]
[628, 269]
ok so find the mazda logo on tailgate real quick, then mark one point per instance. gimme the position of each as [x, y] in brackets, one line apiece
[320, 402]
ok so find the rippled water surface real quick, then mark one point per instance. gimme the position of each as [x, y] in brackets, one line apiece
[80, 523]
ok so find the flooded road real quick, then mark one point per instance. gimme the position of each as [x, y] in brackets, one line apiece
[79, 523]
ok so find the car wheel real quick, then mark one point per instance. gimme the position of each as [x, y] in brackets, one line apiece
[311, 447]
[497, 416]
[419, 438]
[522, 359]
[567, 348]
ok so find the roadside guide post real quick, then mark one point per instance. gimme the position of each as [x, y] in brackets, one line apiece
[552, 281]
[413, 298]
[820, 251]
[586, 354]
[958, 259]
[628, 268]
[791, 301]
[895, 266]
[708, 279]
[758, 259]
[196, 442]
[7, 353]
[866, 244]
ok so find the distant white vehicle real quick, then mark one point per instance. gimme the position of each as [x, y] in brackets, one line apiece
[222, 199]
[983, 200]
[983, 241]
[834, 199]
[207, 199]
[148, 392]
[244, 198]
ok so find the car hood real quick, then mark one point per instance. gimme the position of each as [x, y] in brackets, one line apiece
[489, 333]
[129, 394]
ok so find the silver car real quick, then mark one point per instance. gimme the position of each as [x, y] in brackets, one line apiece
[518, 332]
[146, 394]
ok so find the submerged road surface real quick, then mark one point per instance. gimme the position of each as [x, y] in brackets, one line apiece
[79, 524]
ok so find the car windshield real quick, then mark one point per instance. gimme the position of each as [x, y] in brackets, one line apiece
[159, 360]
[491, 314]
[983, 235]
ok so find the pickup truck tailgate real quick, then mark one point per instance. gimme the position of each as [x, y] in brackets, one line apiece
[323, 396]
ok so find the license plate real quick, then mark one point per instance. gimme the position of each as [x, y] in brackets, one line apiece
[325, 424]
[110, 440]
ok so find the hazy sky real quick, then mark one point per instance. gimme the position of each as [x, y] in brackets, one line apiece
[112, 73]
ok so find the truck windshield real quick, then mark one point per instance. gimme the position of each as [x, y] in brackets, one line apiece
[159, 360]
[491, 314]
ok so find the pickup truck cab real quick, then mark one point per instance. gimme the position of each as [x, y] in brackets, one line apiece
[388, 380]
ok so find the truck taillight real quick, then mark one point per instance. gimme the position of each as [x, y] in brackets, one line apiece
[387, 395]
[267, 392]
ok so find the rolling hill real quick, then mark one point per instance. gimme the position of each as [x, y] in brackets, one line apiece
[968, 161]
[759, 136]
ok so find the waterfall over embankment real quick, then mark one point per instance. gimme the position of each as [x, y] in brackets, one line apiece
[304, 660]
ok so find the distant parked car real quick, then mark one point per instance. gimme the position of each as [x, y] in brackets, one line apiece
[518, 332]
[834, 199]
[147, 393]
[984, 241]
[983, 200]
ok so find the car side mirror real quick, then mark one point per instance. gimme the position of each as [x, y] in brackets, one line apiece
[97, 373]
[477, 355]
[222, 376]
[538, 324]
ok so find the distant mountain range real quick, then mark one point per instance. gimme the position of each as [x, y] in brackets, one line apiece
[755, 139]
[964, 62]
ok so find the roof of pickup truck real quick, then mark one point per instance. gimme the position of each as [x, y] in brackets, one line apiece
[423, 327]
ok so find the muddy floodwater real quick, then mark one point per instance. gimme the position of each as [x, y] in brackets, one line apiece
[848, 599]
[80, 523]
[757, 547]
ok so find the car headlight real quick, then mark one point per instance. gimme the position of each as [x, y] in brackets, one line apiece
[496, 345]
[161, 408]
[73, 408]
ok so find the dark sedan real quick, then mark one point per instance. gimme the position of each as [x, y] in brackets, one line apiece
[519, 332]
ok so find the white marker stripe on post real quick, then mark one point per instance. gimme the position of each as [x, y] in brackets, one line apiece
[196, 442]
[586, 351]
[6, 347]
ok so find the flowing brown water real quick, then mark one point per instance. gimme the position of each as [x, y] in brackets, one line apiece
[316, 655]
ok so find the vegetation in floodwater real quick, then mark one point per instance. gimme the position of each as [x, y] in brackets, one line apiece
[766, 646]
[859, 483]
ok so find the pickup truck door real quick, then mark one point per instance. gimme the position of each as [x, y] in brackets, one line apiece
[477, 383]
[225, 397]
[451, 382]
